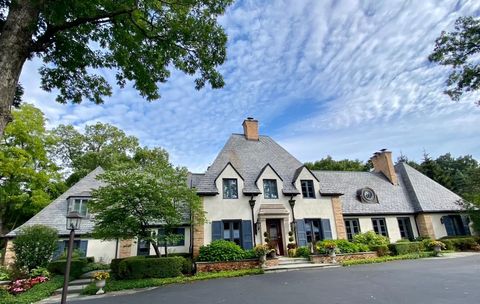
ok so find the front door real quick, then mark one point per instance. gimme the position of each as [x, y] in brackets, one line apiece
[274, 229]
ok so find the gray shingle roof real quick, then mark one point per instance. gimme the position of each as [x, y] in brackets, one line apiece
[427, 194]
[54, 215]
[249, 157]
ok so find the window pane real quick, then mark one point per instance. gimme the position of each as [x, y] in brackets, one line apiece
[230, 189]
[270, 188]
[307, 189]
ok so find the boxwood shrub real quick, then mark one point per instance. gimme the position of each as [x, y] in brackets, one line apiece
[343, 246]
[76, 267]
[460, 243]
[141, 268]
[221, 250]
[404, 247]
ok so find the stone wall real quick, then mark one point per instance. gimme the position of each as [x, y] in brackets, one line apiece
[9, 258]
[425, 225]
[338, 217]
[319, 259]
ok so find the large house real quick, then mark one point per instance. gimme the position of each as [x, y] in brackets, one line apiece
[255, 190]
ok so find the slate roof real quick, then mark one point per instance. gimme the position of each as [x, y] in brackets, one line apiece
[249, 157]
[54, 215]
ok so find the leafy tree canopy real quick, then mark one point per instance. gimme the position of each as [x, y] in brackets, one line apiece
[460, 49]
[143, 194]
[29, 179]
[339, 165]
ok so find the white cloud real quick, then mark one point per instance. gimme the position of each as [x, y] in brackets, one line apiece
[342, 78]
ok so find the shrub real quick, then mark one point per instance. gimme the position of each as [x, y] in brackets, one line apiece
[303, 252]
[95, 266]
[381, 250]
[187, 267]
[150, 268]
[34, 246]
[221, 250]
[371, 239]
[40, 272]
[460, 243]
[343, 246]
[401, 248]
[76, 267]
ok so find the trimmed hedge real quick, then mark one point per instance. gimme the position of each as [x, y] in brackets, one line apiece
[401, 248]
[221, 251]
[460, 243]
[76, 267]
[141, 268]
[343, 246]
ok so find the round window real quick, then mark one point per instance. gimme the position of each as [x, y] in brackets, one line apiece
[367, 195]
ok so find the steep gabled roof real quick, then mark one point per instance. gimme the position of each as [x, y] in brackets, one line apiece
[249, 157]
[427, 194]
[54, 215]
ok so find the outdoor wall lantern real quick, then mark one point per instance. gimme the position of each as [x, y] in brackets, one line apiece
[254, 225]
[74, 220]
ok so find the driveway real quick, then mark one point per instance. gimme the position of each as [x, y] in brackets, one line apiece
[443, 280]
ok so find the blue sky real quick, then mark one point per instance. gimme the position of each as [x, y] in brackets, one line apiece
[339, 78]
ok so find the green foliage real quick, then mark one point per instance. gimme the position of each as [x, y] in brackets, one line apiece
[338, 165]
[95, 266]
[221, 250]
[371, 239]
[34, 294]
[383, 259]
[303, 252]
[401, 248]
[40, 271]
[116, 285]
[25, 164]
[342, 246]
[141, 268]
[34, 246]
[76, 253]
[4, 273]
[457, 49]
[460, 243]
[151, 190]
[76, 267]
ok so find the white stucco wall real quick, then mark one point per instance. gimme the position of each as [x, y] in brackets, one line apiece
[173, 249]
[103, 251]
[217, 208]
[391, 222]
[439, 228]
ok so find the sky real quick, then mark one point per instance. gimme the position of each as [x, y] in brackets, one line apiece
[338, 78]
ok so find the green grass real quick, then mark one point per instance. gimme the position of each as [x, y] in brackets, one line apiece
[116, 285]
[34, 294]
[410, 256]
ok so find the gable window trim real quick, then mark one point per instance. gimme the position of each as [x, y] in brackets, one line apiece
[230, 188]
[270, 189]
[308, 188]
[378, 227]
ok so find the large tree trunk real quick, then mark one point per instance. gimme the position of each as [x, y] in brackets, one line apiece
[15, 42]
[155, 247]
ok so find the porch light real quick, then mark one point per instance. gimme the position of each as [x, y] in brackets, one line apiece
[74, 219]
[292, 203]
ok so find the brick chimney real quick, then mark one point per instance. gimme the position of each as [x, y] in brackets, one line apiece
[382, 162]
[250, 128]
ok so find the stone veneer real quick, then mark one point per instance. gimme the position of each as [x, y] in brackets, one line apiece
[425, 225]
[233, 265]
[338, 216]
[319, 259]
[9, 258]
[125, 248]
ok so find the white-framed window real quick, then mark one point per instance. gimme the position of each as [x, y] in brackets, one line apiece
[270, 190]
[78, 204]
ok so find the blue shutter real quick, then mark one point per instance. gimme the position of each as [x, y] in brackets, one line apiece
[465, 222]
[83, 247]
[217, 230]
[326, 230]
[59, 251]
[447, 221]
[247, 241]
[301, 235]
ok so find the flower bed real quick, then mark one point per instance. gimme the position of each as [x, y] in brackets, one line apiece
[318, 259]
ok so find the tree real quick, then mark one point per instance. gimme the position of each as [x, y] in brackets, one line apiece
[338, 165]
[460, 49]
[144, 194]
[100, 145]
[141, 40]
[29, 179]
[34, 246]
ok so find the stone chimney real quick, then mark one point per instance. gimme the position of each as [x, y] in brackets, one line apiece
[382, 162]
[250, 128]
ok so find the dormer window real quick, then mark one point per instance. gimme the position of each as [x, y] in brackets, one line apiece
[230, 188]
[367, 195]
[308, 190]
[270, 190]
[79, 205]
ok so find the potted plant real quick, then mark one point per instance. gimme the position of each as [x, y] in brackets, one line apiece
[292, 249]
[331, 248]
[437, 247]
[261, 251]
[100, 278]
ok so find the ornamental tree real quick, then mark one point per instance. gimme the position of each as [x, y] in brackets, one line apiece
[142, 195]
[140, 40]
[34, 246]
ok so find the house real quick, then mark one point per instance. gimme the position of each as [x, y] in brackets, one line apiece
[255, 189]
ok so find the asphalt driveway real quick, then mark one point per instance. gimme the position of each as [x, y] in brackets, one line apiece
[454, 280]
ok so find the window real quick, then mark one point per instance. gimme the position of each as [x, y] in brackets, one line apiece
[456, 224]
[353, 227]
[308, 190]
[178, 236]
[405, 228]
[230, 188]
[231, 232]
[312, 230]
[143, 248]
[79, 205]
[379, 226]
[367, 195]
[78, 245]
[270, 188]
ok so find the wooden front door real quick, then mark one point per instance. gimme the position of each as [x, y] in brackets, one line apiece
[274, 229]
